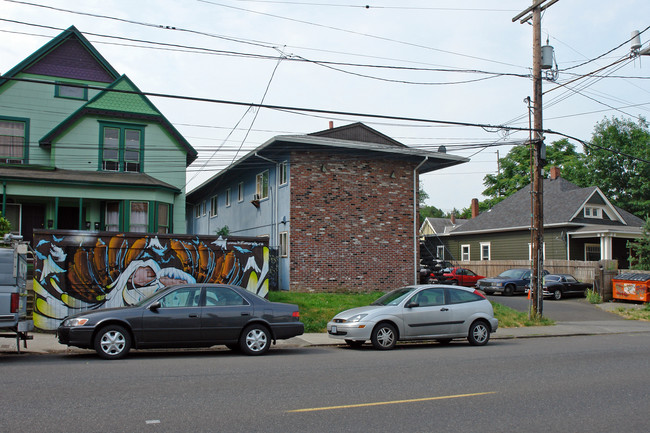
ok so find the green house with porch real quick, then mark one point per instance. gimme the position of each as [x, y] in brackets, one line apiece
[81, 148]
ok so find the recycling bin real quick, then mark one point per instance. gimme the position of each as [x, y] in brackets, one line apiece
[631, 286]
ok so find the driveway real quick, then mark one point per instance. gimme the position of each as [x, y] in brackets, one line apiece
[565, 310]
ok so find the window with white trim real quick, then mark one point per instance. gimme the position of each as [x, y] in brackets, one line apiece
[240, 192]
[214, 206]
[440, 252]
[464, 253]
[228, 197]
[203, 208]
[284, 244]
[197, 211]
[593, 212]
[262, 185]
[485, 250]
[284, 172]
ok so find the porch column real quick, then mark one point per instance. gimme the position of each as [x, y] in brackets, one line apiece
[605, 247]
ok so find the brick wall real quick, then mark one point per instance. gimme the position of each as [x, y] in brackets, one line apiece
[351, 223]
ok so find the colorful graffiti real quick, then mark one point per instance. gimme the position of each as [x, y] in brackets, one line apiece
[78, 271]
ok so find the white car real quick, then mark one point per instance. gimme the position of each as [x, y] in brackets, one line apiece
[423, 312]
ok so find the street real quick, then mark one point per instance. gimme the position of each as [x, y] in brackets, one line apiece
[580, 383]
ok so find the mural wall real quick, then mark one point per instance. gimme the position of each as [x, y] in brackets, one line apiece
[77, 271]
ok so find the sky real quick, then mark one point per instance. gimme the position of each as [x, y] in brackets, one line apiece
[402, 67]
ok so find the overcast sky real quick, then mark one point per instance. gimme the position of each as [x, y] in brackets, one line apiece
[459, 61]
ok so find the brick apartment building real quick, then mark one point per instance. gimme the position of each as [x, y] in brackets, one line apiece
[339, 206]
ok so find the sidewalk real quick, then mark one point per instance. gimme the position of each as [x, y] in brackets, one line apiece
[47, 342]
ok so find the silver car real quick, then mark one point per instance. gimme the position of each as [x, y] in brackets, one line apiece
[424, 312]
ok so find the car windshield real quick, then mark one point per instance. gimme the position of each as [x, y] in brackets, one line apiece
[394, 297]
[511, 273]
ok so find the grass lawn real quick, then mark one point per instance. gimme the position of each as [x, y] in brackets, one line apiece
[316, 309]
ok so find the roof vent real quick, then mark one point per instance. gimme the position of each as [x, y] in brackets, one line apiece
[442, 149]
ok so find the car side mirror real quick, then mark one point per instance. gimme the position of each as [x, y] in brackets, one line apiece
[412, 304]
[154, 306]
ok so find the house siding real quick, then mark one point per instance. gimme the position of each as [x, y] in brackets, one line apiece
[348, 214]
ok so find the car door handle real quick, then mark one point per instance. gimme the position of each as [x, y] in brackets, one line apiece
[244, 314]
[194, 315]
[444, 309]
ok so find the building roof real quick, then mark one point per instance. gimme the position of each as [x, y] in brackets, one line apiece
[86, 178]
[342, 139]
[441, 225]
[563, 203]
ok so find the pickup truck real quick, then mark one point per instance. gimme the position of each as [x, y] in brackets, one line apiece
[13, 294]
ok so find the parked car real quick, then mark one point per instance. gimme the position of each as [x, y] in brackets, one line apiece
[507, 282]
[200, 315]
[437, 270]
[560, 285]
[422, 312]
[458, 276]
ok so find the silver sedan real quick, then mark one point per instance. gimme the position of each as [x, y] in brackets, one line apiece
[423, 312]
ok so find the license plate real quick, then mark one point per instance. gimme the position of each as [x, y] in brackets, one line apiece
[333, 329]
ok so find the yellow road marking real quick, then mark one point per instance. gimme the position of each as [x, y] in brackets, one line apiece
[380, 403]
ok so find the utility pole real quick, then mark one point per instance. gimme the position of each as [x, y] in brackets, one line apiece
[534, 12]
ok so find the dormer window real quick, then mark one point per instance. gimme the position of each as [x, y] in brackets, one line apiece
[61, 90]
[593, 212]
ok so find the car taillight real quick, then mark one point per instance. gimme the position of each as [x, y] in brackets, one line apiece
[15, 302]
[478, 292]
[296, 314]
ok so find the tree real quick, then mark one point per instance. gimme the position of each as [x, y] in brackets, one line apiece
[5, 225]
[640, 257]
[611, 163]
[514, 172]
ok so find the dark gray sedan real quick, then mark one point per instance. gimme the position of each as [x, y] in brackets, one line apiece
[196, 315]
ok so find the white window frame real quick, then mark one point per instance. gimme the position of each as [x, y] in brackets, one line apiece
[259, 184]
[465, 257]
[284, 244]
[240, 192]
[530, 251]
[489, 250]
[197, 211]
[214, 206]
[145, 226]
[284, 172]
[440, 252]
[593, 212]
[592, 245]
[203, 207]
[228, 197]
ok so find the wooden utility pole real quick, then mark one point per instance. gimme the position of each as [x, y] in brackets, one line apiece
[534, 12]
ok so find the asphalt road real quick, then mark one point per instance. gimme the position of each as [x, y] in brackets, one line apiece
[574, 309]
[576, 384]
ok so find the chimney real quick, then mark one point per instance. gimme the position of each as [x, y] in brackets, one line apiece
[452, 217]
[474, 207]
[555, 172]
[331, 124]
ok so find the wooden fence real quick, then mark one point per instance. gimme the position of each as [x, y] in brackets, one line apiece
[583, 271]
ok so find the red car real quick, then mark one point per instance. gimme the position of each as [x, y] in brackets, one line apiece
[460, 276]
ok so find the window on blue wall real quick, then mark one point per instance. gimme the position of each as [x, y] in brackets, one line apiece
[240, 192]
[284, 244]
[139, 221]
[214, 204]
[13, 141]
[284, 173]
[197, 211]
[262, 185]
[112, 217]
[122, 147]
[163, 218]
[65, 90]
[228, 197]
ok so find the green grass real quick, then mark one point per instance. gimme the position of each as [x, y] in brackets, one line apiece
[316, 309]
[642, 313]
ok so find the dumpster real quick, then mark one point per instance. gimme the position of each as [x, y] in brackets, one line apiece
[631, 286]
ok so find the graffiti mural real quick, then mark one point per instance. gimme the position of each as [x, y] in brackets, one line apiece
[78, 271]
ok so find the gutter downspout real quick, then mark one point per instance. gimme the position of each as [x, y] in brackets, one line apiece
[416, 191]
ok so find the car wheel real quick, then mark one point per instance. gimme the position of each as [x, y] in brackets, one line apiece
[384, 336]
[112, 342]
[557, 294]
[354, 343]
[479, 333]
[509, 290]
[255, 340]
[444, 341]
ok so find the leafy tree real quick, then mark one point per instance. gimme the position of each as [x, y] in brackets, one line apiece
[5, 225]
[640, 257]
[223, 231]
[623, 179]
[430, 212]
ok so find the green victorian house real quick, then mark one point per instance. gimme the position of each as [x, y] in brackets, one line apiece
[82, 149]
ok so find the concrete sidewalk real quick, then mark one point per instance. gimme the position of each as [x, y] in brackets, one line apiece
[47, 342]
